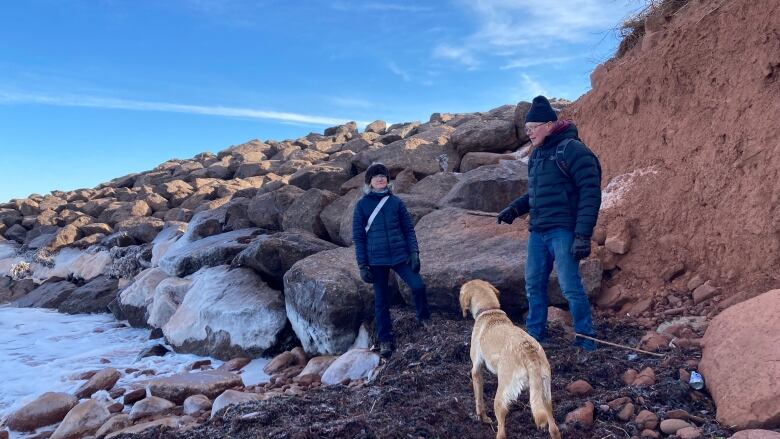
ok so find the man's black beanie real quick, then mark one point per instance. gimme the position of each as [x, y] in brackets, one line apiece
[376, 169]
[540, 111]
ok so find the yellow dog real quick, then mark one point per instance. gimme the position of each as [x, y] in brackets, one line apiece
[510, 353]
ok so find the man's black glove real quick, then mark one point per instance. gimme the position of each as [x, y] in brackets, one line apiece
[507, 215]
[580, 248]
[414, 262]
[365, 274]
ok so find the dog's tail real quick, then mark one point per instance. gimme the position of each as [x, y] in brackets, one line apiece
[540, 395]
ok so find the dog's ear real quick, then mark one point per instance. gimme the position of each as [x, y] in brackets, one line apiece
[495, 290]
[465, 301]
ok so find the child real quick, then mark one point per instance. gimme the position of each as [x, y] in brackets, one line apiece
[389, 242]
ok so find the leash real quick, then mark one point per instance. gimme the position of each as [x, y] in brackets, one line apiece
[480, 213]
[619, 345]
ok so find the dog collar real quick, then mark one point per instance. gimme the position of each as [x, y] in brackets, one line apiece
[484, 310]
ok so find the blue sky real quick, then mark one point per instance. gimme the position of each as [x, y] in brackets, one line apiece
[95, 89]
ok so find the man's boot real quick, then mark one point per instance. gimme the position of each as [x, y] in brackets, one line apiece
[386, 349]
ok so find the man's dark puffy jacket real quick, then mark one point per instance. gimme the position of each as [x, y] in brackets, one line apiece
[555, 200]
[391, 238]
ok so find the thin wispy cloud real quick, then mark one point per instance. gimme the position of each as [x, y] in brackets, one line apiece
[378, 6]
[524, 28]
[351, 102]
[396, 7]
[533, 62]
[7, 97]
[532, 87]
[403, 74]
[461, 55]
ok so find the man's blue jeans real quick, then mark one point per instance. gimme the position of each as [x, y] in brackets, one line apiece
[381, 274]
[544, 248]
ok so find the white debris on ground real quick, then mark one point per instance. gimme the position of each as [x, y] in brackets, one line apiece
[619, 186]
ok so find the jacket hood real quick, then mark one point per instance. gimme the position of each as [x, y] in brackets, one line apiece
[570, 132]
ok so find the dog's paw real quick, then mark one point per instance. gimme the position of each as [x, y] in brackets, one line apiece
[485, 419]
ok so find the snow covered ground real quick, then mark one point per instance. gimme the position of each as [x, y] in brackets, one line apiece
[41, 349]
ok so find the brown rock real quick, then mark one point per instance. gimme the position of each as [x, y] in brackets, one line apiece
[755, 434]
[279, 362]
[695, 282]
[689, 433]
[134, 396]
[234, 364]
[116, 407]
[618, 245]
[177, 388]
[47, 409]
[582, 415]
[300, 356]
[474, 160]
[670, 426]
[618, 403]
[646, 378]
[231, 397]
[103, 380]
[677, 414]
[652, 434]
[739, 363]
[579, 388]
[150, 406]
[614, 297]
[115, 423]
[629, 376]
[318, 365]
[82, 420]
[626, 412]
[646, 420]
[704, 292]
[653, 341]
[196, 404]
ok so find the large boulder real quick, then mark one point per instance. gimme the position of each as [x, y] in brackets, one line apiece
[328, 177]
[487, 133]
[11, 290]
[121, 210]
[304, 213]
[179, 387]
[227, 313]
[474, 160]
[489, 188]
[326, 301]
[47, 409]
[82, 420]
[337, 217]
[456, 246]
[165, 239]
[272, 256]
[168, 295]
[134, 301]
[419, 153]
[186, 257]
[435, 187]
[142, 229]
[740, 365]
[267, 210]
[92, 297]
[50, 294]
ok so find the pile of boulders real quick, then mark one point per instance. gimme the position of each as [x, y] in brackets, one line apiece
[100, 408]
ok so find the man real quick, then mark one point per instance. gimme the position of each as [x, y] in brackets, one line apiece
[563, 199]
